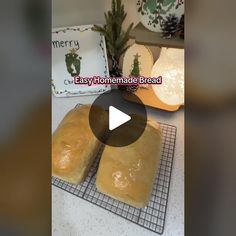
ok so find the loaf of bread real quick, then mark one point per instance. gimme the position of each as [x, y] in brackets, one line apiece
[128, 173]
[74, 145]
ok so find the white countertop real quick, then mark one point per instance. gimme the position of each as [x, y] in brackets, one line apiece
[72, 216]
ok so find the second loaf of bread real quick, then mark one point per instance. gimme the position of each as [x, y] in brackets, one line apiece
[127, 173]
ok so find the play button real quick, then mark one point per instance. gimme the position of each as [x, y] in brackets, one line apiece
[125, 121]
[117, 118]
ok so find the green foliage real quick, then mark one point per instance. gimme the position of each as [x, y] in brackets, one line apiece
[116, 38]
[135, 71]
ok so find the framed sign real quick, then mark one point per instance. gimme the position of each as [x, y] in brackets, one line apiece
[77, 51]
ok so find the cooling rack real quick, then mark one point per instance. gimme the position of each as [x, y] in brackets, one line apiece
[152, 217]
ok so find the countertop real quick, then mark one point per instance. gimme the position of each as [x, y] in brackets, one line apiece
[72, 216]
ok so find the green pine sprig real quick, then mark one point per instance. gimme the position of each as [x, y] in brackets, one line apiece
[116, 37]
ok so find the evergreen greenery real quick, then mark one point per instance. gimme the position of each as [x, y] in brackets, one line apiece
[116, 38]
[135, 71]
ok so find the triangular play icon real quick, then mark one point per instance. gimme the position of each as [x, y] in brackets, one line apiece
[117, 118]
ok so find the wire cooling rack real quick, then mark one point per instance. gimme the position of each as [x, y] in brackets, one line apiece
[152, 217]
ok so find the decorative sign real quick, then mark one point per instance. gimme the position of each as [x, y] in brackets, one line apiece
[77, 51]
[144, 58]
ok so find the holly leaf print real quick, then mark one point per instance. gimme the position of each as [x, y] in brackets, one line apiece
[150, 5]
[167, 2]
